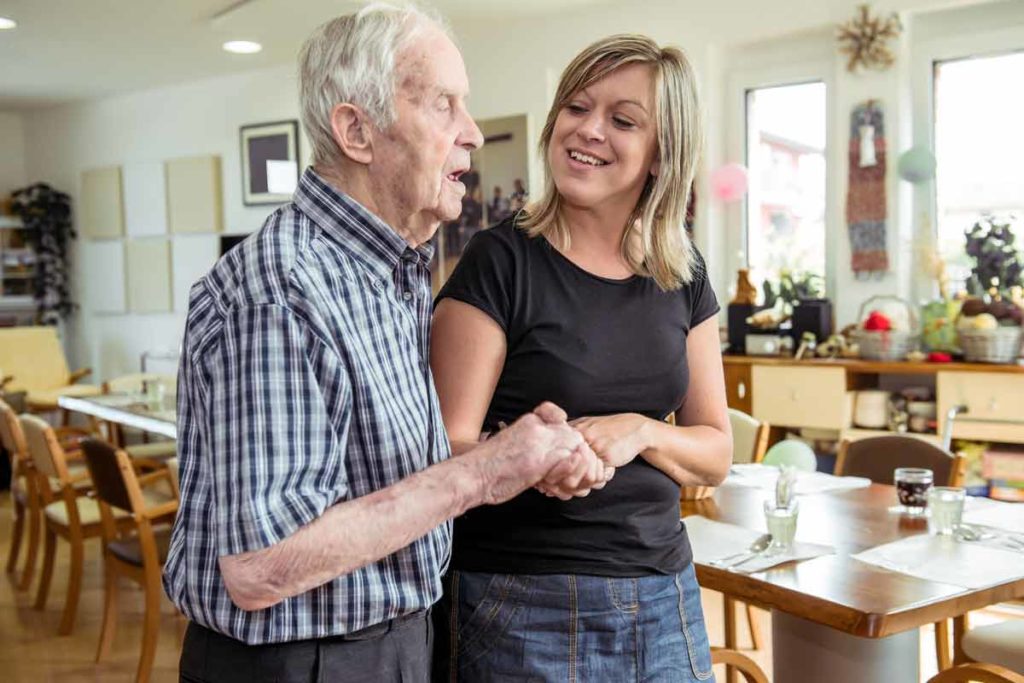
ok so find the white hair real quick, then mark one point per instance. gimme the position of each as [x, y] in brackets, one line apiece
[351, 59]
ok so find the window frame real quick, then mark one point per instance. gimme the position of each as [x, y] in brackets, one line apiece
[926, 56]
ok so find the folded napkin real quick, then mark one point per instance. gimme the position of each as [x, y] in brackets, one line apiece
[756, 475]
[947, 560]
[712, 541]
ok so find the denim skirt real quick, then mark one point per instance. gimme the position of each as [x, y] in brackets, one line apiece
[570, 627]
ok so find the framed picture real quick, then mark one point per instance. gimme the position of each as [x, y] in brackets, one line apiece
[270, 162]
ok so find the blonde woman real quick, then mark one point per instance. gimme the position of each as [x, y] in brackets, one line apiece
[595, 299]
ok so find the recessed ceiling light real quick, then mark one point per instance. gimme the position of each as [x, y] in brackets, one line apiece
[242, 47]
[6, 23]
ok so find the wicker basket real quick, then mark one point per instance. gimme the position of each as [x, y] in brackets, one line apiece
[888, 344]
[1001, 345]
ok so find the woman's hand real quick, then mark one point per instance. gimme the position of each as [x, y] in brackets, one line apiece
[586, 473]
[615, 439]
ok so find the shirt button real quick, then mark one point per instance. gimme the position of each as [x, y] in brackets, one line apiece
[378, 284]
[407, 296]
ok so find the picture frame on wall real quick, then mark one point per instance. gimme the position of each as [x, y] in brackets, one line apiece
[270, 162]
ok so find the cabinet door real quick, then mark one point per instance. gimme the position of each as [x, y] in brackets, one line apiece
[995, 404]
[789, 396]
[737, 386]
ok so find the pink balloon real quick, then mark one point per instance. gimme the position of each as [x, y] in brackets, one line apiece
[729, 182]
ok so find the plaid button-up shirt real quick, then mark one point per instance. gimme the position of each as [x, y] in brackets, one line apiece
[304, 382]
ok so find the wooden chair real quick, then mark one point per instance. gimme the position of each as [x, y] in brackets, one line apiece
[750, 443]
[980, 673]
[138, 553]
[67, 512]
[35, 359]
[875, 458]
[23, 494]
[738, 661]
[749, 437]
[24, 482]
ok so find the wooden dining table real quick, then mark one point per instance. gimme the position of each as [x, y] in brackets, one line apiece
[130, 410]
[834, 618]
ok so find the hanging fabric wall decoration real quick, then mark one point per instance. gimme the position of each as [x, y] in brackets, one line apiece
[865, 196]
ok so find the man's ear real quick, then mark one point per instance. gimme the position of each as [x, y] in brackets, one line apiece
[351, 130]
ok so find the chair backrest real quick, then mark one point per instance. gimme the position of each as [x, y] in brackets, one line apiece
[44, 448]
[876, 457]
[980, 673]
[127, 384]
[749, 437]
[112, 475]
[12, 438]
[34, 358]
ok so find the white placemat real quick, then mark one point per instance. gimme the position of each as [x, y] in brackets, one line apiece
[713, 540]
[994, 513]
[946, 560]
[758, 476]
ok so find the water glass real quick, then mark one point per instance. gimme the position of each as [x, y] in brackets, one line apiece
[781, 522]
[912, 486]
[946, 506]
[154, 392]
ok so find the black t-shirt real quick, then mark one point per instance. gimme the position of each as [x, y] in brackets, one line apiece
[594, 346]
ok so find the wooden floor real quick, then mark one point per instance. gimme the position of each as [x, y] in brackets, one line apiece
[31, 651]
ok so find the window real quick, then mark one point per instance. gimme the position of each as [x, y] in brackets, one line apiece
[979, 147]
[786, 170]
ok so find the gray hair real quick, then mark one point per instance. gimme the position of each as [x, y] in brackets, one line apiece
[351, 59]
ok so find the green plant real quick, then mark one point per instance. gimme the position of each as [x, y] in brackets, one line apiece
[792, 287]
[998, 265]
[46, 213]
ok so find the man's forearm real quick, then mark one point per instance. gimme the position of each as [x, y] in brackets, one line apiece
[351, 535]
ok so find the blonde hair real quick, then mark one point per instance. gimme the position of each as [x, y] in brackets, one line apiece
[655, 243]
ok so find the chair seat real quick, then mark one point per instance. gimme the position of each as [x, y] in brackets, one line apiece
[997, 644]
[89, 509]
[130, 550]
[153, 451]
[46, 399]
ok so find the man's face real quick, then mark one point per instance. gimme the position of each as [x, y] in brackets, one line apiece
[421, 156]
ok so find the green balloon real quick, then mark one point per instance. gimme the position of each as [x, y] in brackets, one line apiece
[793, 453]
[917, 164]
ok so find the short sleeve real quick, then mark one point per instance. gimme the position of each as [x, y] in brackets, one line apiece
[703, 302]
[277, 457]
[484, 277]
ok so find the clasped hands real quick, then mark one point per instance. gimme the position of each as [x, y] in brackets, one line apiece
[609, 442]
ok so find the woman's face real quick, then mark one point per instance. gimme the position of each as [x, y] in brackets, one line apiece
[604, 143]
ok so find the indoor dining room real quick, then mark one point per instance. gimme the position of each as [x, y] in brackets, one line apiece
[249, 409]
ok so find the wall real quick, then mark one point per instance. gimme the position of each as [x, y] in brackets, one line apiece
[197, 118]
[513, 68]
[12, 153]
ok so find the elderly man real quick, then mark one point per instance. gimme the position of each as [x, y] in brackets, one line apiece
[316, 485]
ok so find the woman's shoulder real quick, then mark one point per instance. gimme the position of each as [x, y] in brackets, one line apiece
[506, 235]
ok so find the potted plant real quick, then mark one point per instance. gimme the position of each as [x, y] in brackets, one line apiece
[990, 322]
[46, 213]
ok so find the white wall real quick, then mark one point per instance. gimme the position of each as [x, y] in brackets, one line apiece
[513, 68]
[198, 118]
[12, 153]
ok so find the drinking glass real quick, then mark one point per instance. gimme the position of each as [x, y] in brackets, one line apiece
[912, 485]
[781, 522]
[154, 391]
[946, 507]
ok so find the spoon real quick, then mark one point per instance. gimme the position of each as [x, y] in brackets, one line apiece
[758, 545]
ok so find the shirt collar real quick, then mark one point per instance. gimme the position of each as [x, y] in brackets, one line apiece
[373, 241]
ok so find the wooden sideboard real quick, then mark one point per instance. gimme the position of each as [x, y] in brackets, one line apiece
[819, 393]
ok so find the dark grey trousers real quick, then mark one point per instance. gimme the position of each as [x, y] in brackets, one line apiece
[396, 651]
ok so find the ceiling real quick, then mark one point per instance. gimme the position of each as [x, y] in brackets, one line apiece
[67, 50]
